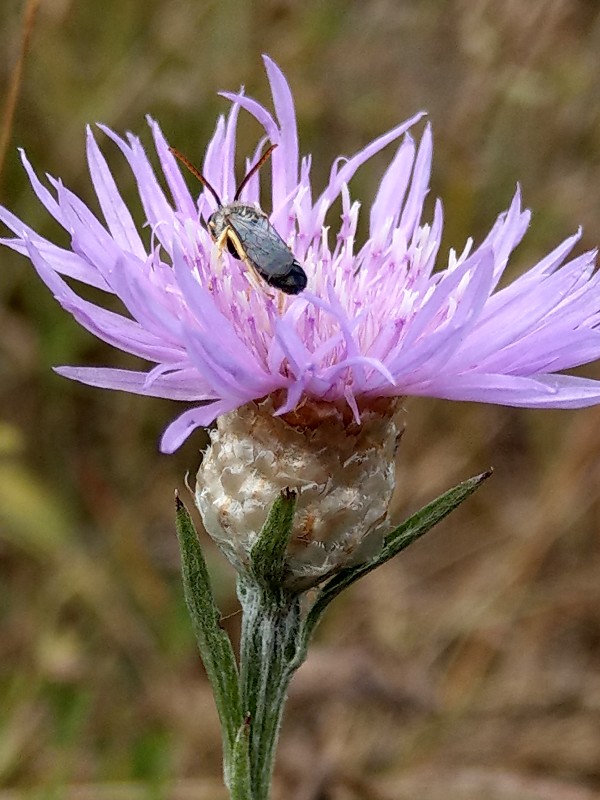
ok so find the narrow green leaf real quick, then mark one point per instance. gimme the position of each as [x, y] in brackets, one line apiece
[215, 647]
[240, 783]
[268, 554]
[399, 539]
[429, 516]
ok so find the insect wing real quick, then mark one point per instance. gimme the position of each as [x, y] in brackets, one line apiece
[262, 245]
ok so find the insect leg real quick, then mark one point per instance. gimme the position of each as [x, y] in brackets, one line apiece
[221, 242]
[253, 275]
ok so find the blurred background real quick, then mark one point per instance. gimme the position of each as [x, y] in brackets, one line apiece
[468, 668]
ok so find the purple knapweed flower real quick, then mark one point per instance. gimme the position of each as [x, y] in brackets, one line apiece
[375, 321]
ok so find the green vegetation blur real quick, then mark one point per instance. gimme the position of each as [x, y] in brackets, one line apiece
[470, 667]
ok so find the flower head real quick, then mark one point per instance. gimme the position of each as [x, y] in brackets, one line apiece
[375, 321]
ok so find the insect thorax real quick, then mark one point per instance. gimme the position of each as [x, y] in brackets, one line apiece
[218, 220]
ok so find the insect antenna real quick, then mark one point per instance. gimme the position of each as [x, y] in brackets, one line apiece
[252, 171]
[197, 174]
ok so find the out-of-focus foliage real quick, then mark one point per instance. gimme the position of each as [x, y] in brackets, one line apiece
[469, 668]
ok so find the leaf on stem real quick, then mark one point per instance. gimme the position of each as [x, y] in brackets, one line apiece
[214, 644]
[268, 554]
[401, 537]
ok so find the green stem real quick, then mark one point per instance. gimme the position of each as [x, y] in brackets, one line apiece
[269, 643]
[238, 769]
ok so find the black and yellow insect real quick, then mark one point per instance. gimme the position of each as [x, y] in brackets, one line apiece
[248, 234]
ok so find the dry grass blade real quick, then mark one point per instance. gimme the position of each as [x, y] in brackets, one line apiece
[16, 78]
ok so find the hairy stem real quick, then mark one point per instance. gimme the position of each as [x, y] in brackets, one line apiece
[269, 644]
